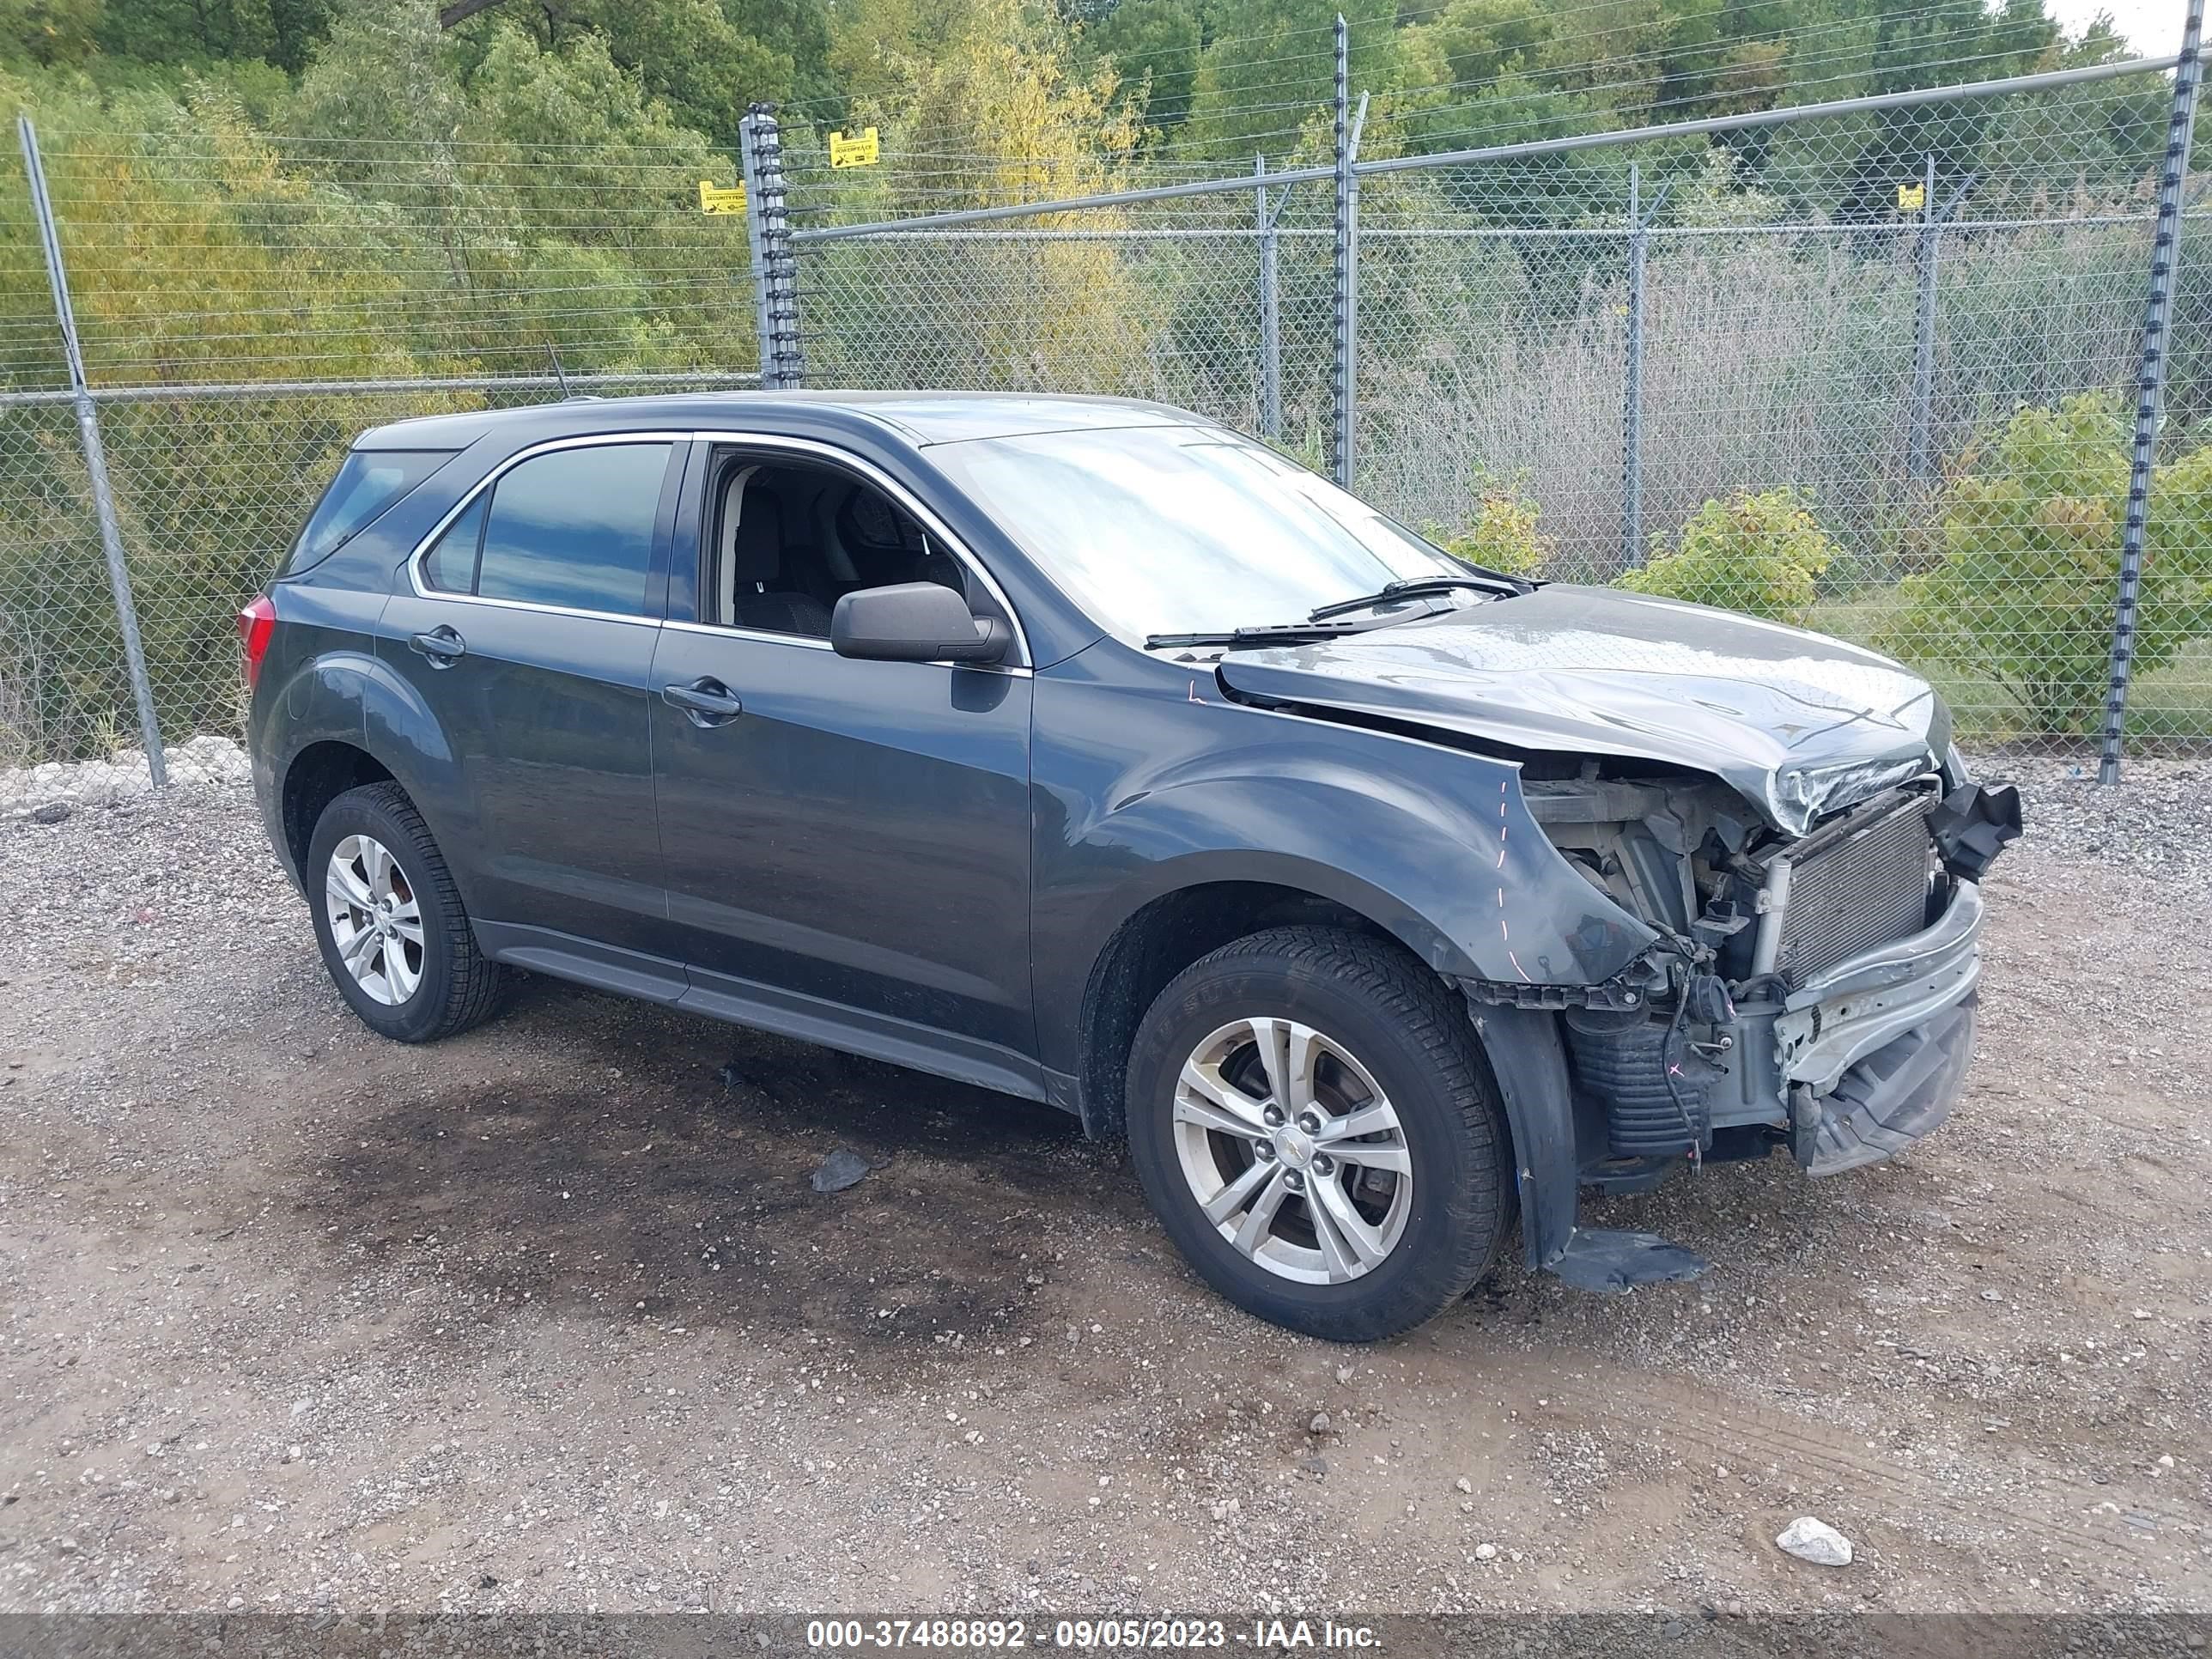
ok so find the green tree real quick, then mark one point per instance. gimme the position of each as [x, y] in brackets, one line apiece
[1503, 534]
[50, 32]
[1272, 65]
[384, 73]
[1152, 46]
[707, 59]
[1000, 83]
[1763, 555]
[2023, 592]
[282, 32]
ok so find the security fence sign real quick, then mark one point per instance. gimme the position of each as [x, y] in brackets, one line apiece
[1910, 199]
[714, 199]
[860, 151]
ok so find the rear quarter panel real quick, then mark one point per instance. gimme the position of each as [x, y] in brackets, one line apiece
[321, 681]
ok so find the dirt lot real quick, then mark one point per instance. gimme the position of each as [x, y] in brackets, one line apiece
[549, 1317]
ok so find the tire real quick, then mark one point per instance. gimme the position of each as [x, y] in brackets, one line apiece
[415, 984]
[1377, 1024]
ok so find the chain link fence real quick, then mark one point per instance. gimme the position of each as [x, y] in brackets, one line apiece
[1874, 367]
[243, 306]
[210, 484]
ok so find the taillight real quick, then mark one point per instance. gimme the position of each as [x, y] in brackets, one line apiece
[255, 624]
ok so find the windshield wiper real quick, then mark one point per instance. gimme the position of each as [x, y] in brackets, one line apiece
[1303, 633]
[1320, 624]
[1414, 587]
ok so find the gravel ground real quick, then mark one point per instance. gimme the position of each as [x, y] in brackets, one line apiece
[548, 1317]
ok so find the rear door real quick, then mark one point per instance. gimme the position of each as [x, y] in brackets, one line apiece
[527, 626]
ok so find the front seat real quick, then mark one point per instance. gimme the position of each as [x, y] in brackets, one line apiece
[755, 556]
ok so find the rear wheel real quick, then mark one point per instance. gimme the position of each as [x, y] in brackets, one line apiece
[1313, 1121]
[394, 935]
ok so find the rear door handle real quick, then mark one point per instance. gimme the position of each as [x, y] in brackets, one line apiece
[705, 701]
[441, 645]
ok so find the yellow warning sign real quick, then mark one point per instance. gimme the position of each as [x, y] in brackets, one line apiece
[856, 152]
[713, 198]
[1910, 199]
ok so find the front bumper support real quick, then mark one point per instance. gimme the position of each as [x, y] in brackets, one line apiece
[1894, 1095]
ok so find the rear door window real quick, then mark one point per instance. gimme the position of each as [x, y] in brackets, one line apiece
[451, 565]
[574, 528]
[370, 481]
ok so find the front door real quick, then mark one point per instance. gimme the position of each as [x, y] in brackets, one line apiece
[528, 629]
[847, 843]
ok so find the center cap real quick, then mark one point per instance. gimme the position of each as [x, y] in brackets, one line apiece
[1294, 1146]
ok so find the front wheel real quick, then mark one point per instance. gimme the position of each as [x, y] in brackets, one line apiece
[393, 933]
[1313, 1121]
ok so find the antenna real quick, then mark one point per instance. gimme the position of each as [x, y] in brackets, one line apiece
[554, 358]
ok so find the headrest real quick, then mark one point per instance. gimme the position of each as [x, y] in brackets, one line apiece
[757, 543]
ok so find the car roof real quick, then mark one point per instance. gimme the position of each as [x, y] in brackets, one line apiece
[920, 417]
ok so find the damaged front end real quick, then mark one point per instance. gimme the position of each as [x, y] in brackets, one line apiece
[1768, 804]
[1814, 991]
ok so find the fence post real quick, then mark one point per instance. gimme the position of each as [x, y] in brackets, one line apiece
[95, 459]
[2150, 383]
[1271, 316]
[1344, 387]
[775, 269]
[1632, 400]
[1631, 420]
[1921, 462]
[1924, 330]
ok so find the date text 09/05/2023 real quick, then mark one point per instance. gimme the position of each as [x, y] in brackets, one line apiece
[1281, 1635]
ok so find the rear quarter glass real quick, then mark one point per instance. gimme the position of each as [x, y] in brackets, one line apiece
[367, 484]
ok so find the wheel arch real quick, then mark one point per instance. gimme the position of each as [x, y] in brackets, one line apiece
[1174, 928]
[316, 776]
[347, 720]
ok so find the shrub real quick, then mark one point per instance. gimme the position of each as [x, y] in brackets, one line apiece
[2024, 589]
[1502, 535]
[1763, 555]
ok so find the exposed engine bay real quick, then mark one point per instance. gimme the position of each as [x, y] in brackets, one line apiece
[1811, 991]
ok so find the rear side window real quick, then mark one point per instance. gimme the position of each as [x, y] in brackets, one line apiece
[575, 527]
[370, 481]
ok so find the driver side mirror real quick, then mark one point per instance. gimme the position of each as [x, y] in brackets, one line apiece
[916, 622]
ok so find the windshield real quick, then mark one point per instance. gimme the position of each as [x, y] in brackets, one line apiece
[1185, 529]
[370, 481]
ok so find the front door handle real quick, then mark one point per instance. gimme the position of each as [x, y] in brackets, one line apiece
[704, 701]
[441, 645]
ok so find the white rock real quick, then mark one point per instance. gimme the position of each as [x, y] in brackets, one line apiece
[1486, 1551]
[122, 776]
[1815, 1540]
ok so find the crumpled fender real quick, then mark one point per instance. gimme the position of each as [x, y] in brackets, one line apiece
[1444, 854]
[1476, 891]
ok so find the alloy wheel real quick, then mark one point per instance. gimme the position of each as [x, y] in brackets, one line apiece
[1293, 1150]
[374, 919]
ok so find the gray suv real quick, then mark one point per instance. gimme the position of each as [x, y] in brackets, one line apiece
[1087, 750]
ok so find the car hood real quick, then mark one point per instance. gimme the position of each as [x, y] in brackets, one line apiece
[1798, 724]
